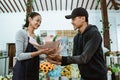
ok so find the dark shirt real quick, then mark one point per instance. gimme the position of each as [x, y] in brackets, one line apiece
[88, 54]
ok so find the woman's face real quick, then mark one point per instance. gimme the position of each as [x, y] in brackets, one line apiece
[35, 21]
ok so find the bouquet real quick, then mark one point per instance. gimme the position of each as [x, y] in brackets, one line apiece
[49, 42]
[70, 71]
[49, 70]
[8, 77]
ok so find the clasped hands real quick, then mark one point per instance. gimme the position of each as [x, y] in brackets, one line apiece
[52, 55]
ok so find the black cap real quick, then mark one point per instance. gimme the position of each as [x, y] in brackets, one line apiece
[77, 12]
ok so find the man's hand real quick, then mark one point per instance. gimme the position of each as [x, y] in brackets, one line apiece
[54, 59]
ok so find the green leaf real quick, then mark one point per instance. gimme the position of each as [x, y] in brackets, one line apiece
[115, 69]
[38, 39]
[54, 39]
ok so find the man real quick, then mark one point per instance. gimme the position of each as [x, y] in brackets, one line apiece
[87, 48]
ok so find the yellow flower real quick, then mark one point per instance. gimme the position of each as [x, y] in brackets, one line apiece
[46, 66]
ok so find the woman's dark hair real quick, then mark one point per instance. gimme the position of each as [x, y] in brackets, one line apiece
[32, 15]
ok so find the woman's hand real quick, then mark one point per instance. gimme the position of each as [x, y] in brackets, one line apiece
[43, 51]
[49, 51]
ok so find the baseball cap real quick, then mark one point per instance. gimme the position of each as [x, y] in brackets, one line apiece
[77, 12]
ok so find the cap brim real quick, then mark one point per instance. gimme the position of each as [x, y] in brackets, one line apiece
[68, 16]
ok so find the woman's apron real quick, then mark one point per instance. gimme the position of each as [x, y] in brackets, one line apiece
[27, 69]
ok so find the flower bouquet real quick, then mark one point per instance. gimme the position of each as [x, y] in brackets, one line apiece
[8, 77]
[49, 70]
[49, 42]
[70, 71]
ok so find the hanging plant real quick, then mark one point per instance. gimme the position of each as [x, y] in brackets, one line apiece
[29, 6]
[105, 28]
[29, 3]
[98, 2]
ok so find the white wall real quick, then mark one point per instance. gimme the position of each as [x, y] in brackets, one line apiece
[9, 24]
[118, 29]
[54, 20]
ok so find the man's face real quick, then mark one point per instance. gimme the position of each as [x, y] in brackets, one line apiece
[77, 22]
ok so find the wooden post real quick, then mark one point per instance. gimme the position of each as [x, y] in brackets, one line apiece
[11, 54]
[28, 6]
[105, 24]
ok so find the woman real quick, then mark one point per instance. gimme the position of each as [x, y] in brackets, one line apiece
[27, 65]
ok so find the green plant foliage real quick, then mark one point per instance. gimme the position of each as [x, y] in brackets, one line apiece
[29, 3]
[38, 39]
[98, 2]
[114, 68]
[54, 39]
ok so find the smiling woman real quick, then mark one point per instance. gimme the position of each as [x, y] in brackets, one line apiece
[27, 65]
